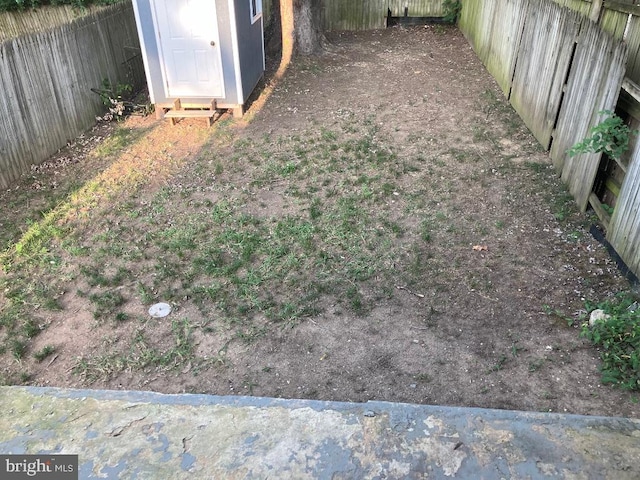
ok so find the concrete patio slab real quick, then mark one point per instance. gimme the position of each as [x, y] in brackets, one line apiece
[142, 435]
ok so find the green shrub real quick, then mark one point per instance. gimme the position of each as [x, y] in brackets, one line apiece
[619, 339]
[611, 136]
[452, 9]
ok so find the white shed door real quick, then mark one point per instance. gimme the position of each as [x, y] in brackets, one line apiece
[189, 47]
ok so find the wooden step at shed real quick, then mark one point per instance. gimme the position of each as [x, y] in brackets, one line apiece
[178, 112]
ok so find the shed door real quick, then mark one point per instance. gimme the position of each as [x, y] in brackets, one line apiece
[189, 47]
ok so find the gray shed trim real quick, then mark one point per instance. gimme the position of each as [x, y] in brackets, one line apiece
[234, 41]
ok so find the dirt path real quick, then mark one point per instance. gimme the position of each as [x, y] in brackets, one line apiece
[467, 242]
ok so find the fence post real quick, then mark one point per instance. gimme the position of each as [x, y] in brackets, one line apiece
[596, 8]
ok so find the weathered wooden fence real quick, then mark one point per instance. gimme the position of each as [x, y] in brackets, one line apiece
[559, 69]
[47, 77]
[368, 14]
[354, 15]
[624, 231]
[593, 85]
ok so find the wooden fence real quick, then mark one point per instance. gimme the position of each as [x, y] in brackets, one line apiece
[566, 69]
[367, 14]
[372, 14]
[593, 85]
[47, 77]
[624, 231]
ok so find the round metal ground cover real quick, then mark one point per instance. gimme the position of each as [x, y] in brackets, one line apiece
[160, 310]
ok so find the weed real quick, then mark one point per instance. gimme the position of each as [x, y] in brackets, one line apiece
[558, 313]
[355, 300]
[515, 350]
[106, 302]
[424, 378]
[30, 328]
[619, 339]
[563, 206]
[426, 229]
[145, 293]
[499, 364]
[44, 352]
[18, 348]
[535, 365]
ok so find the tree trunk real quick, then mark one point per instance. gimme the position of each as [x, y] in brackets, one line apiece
[309, 38]
[301, 27]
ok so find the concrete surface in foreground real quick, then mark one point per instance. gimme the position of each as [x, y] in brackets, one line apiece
[141, 435]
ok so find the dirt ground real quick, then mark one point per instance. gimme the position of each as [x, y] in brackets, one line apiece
[466, 318]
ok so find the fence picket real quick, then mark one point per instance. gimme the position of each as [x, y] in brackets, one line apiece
[543, 61]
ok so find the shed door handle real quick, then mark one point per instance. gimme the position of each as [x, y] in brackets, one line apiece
[212, 43]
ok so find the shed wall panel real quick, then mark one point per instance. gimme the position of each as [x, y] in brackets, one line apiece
[250, 43]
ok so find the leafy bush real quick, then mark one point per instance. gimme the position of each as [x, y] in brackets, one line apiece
[611, 136]
[11, 5]
[452, 9]
[619, 338]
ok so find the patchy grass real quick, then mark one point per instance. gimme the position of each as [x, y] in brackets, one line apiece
[318, 251]
[244, 266]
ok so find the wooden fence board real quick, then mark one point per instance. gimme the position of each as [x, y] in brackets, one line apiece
[633, 42]
[624, 228]
[504, 40]
[416, 8]
[47, 78]
[545, 53]
[580, 6]
[355, 15]
[614, 23]
[476, 19]
[495, 41]
[593, 85]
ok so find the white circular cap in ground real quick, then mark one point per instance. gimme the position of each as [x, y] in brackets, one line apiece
[160, 310]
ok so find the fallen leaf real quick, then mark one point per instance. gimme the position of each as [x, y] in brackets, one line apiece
[480, 248]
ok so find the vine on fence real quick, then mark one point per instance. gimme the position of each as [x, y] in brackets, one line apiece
[12, 5]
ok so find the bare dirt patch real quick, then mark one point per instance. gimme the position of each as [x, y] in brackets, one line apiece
[384, 227]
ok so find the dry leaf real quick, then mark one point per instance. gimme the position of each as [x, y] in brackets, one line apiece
[480, 248]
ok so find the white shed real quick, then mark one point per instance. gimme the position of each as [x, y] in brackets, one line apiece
[200, 55]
